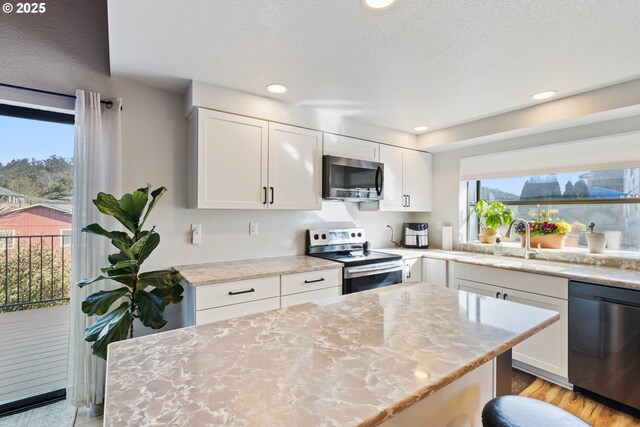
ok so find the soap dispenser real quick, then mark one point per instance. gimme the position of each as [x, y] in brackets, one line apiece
[497, 247]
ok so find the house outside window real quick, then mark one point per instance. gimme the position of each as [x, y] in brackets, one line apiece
[6, 240]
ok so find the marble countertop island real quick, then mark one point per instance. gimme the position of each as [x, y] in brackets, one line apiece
[354, 360]
[231, 271]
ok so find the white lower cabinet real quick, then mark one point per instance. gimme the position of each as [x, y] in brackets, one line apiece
[310, 286]
[548, 349]
[412, 271]
[211, 303]
[434, 271]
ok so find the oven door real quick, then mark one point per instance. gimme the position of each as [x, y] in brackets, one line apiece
[362, 278]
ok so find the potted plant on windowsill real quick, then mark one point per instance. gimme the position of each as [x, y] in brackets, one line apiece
[492, 217]
[545, 232]
[596, 241]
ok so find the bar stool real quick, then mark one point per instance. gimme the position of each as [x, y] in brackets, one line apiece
[519, 411]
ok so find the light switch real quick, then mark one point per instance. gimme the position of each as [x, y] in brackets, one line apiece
[196, 234]
[253, 228]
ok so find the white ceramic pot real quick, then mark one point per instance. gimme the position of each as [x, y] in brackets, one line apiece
[596, 241]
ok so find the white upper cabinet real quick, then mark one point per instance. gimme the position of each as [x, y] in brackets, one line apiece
[407, 180]
[352, 148]
[393, 190]
[238, 162]
[295, 165]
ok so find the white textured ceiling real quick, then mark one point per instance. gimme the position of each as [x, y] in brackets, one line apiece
[422, 62]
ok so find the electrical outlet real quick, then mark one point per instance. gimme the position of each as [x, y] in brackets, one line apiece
[438, 225]
[253, 228]
[196, 234]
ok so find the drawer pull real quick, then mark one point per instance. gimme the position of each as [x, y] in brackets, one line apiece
[315, 281]
[242, 292]
[504, 296]
[498, 294]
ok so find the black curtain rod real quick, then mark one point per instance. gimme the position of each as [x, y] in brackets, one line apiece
[109, 104]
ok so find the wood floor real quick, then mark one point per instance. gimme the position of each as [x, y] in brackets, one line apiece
[592, 412]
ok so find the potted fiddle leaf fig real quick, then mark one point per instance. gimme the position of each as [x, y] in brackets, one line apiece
[492, 217]
[144, 295]
[596, 241]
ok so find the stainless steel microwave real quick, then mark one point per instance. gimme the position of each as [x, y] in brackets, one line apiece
[352, 180]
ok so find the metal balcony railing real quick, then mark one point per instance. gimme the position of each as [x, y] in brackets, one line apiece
[35, 271]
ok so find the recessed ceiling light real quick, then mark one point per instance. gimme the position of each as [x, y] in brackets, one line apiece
[379, 4]
[420, 128]
[276, 88]
[544, 95]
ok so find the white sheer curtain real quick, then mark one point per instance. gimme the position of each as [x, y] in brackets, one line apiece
[97, 163]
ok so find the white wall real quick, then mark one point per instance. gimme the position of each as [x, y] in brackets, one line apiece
[446, 167]
[65, 50]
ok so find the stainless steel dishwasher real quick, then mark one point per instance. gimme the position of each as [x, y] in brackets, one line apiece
[604, 343]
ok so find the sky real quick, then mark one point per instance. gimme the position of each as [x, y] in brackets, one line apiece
[23, 138]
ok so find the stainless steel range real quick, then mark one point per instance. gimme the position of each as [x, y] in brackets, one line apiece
[363, 269]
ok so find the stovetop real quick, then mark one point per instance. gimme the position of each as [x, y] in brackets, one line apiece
[353, 258]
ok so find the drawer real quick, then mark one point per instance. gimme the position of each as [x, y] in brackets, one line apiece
[311, 296]
[311, 281]
[209, 296]
[236, 310]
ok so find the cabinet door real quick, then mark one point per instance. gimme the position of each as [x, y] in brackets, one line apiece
[548, 349]
[352, 148]
[311, 296]
[434, 271]
[417, 180]
[231, 161]
[479, 288]
[295, 168]
[412, 270]
[236, 310]
[393, 194]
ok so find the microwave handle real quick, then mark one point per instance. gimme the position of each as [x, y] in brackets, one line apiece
[379, 177]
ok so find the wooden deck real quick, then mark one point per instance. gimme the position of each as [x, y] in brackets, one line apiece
[33, 352]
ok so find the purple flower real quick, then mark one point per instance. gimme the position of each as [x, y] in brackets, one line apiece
[548, 227]
[520, 228]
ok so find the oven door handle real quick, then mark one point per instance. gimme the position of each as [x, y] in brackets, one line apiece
[379, 178]
[370, 272]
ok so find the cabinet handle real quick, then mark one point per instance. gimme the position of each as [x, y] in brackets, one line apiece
[265, 195]
[315, 281]
[271, 202]
[242, 292]
[408, 272]
[404, 200]
[504, 296]
[409, 200]
[498, 294]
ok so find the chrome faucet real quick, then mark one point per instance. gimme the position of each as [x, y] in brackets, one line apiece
[527, 246]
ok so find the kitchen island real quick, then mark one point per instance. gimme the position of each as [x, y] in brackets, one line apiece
[399, 355]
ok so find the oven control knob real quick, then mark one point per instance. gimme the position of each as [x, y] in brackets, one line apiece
[324, 236]
[359, 234]
[353, 234]
[316, 237]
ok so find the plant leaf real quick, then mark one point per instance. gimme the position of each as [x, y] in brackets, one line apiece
[116, 258]
[121, 266]
[151, 309]
[151, 243]
[155, 197]
[172, 295]
[128, 279]
[113, 235]
[86, 282]
[160, 278]
[124, 249]
[110, 328]
[133, 204]
[100, 302]
[135, 248]
[109, 205]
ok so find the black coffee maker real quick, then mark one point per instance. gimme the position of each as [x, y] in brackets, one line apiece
[415, 235]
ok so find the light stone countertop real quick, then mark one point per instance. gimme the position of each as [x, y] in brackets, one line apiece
[232, 271]
[592, 273]
[351, 361]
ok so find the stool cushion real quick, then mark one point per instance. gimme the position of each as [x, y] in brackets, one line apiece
[519, 411]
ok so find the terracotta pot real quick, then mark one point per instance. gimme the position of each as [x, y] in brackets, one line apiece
[549, 241]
